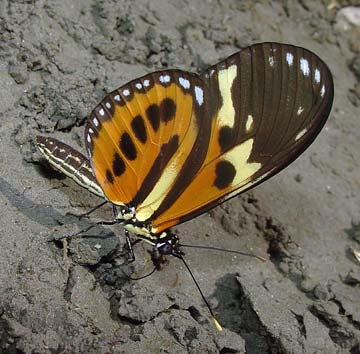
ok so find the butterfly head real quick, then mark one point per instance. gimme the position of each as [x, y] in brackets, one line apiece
[168, 244]
[126, 214]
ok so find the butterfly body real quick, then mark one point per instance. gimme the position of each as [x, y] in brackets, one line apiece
[171, 145]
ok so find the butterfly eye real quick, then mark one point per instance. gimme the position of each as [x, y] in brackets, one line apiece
[165, 248]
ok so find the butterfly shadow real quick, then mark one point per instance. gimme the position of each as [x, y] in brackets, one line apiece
[47, 216]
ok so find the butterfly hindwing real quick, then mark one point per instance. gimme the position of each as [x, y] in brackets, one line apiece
[272, 100]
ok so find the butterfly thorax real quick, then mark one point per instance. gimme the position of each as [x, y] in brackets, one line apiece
[165, 242]
[127, 217]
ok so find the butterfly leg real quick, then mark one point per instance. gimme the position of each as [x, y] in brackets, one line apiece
[115, 213]
[127, 237]
[129, 244]
[104, 222]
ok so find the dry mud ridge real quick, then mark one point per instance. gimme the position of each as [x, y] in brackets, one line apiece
[58, 59]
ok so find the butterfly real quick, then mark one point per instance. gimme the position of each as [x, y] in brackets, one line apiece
[171, 145]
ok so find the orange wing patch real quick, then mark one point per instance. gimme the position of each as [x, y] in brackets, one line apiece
[134, 133]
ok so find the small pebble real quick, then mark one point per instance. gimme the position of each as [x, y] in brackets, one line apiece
[18, 71]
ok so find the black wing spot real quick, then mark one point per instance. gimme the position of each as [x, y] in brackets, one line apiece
[109, 177]
[127, 146]
[118, 165]
[172, 145]
[153, 114]
[225, 138]
[225, 173]
[168, 110]
[138, 127]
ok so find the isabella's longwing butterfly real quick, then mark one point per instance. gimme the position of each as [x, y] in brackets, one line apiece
[171, 145]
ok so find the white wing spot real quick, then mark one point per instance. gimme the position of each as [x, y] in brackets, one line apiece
[91, 131]
[271, 61]
[117, 98]
[249, 123]
[164, 79]
[96, 122]
[146, 83]
[199, 95]
[88, 138]
[74, 158]
[101, 112]
[226, 78]
[138, 85]
[126, 92]
[300, 110]
[184, 83]
[322, 92]
[289, 59]
[317, 76]
[108, 105]
[239, 156]
[304, 66]
[300, 134]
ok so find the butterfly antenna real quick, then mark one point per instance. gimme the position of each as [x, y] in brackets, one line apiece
[217, 324]
[104, 222]
[224, 250]
[80, 216]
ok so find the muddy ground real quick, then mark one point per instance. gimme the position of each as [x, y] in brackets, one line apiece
[58, 59]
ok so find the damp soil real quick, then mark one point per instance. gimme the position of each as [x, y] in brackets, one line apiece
[57, 60]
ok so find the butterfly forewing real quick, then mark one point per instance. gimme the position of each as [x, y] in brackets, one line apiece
[173, 144]
[140, 136]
